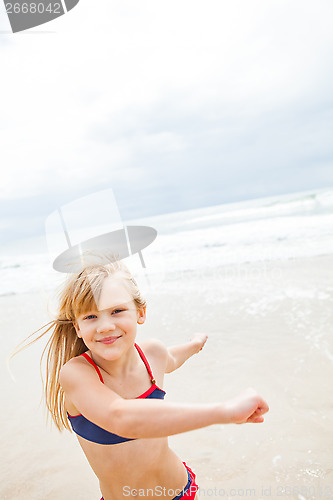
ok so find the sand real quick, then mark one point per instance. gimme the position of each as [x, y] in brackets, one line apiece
[269, 327]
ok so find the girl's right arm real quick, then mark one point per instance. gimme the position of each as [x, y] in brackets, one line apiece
[151, 418]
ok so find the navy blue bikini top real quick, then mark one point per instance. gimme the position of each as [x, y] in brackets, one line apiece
[92, 432]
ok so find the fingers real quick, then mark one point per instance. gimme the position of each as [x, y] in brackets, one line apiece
[257, 416]
[258, 420]
[262, 406]
[199, 339]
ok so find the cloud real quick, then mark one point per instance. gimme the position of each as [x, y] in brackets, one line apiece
[174, 105]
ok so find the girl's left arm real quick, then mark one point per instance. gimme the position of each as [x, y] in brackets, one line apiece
[178, 354]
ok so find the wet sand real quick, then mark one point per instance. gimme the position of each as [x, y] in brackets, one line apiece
[269, 327]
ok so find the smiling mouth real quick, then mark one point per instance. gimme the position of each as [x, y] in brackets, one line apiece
[108, 340]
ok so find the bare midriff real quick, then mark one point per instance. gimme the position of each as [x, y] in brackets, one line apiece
[148, 465]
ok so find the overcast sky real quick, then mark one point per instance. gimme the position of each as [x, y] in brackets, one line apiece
[174, 105]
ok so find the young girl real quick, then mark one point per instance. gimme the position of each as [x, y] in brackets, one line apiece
[110, 391]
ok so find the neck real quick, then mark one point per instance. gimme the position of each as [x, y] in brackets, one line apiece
[120, 367]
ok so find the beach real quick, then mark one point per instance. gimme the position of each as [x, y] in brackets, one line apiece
[270, 327]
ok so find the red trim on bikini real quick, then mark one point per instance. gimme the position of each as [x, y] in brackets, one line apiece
[149, 391]
[73, 416]
[145, 360]
[92, 362]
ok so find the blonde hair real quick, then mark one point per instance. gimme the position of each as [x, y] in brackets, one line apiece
[79, 295]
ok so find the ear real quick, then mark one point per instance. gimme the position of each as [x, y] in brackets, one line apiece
[141, 315]
[77, 329]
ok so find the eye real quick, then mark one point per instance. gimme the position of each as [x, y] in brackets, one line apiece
[116, 311]
[90, 316]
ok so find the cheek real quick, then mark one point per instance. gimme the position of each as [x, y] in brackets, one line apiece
[82, 329]
[127, 324]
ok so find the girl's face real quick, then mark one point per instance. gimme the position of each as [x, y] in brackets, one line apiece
[111, 329]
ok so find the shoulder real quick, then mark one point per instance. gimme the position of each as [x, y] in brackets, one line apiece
[74, 370]
[153, 346]
[155, 349]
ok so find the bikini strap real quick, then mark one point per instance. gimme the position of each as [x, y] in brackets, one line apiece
[92, 362]
[145, 360]
[143, 357]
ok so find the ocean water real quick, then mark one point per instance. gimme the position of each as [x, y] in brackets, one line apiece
[267, 229]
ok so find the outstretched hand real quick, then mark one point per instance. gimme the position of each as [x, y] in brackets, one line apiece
[247, 407]
[199, 340]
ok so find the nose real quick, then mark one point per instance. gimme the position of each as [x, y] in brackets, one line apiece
[105, 325]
